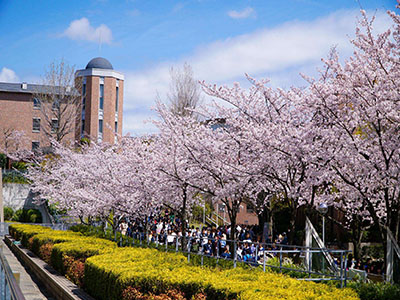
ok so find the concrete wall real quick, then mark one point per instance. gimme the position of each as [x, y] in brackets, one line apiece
[18, 196]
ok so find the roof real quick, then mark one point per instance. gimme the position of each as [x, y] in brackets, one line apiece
[30, 88]
[99, 63]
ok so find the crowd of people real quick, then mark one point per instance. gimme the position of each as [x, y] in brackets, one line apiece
[210, 241]
[368, 265]
[215, 241]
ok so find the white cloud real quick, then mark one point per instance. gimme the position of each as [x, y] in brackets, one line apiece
[243, 14]
[139, 123]
[82, 30]
[278, 53]
[8, 75]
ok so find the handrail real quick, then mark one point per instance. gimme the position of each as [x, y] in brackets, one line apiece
[262, 252]
[16, 293]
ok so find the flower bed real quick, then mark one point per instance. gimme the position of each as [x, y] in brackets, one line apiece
[110, 273]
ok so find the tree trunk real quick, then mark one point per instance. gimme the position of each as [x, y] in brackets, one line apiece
[232, 212]
[292, 223]
[183, 218]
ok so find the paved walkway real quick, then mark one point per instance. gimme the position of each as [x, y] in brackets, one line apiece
[29, 285]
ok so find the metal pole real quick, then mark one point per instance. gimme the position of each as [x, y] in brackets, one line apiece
[309, 262]
[280, 260]
[323, 230]
[235, 254]
[345, 269]
[189, 248]
[323, 241]
[341, 270]
[204, 214]
[264, 259]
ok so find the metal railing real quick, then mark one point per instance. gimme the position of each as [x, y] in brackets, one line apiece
[9, 288]
[279, 257]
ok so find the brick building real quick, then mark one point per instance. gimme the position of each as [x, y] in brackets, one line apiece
[98, 117]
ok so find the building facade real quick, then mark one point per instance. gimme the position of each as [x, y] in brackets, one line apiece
[98, 117]
[102, 102]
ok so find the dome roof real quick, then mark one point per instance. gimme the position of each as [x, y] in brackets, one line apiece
[99, 63]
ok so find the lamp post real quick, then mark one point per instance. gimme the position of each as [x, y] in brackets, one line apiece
[323, 209]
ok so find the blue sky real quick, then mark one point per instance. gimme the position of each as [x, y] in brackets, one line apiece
[221, 39]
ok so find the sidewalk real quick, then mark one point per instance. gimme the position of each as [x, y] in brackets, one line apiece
[30, 287]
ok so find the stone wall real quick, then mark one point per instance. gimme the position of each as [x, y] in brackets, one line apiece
[16, 196]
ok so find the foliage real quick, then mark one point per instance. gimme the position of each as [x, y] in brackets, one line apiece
[152, 271]
[3, 161]
[19, 165]
[66, 251]
[8, 213]
[376, 291]
[45, 252]
[27, 216]
[373, 251]
[15, 177]
[197, 211]
[74, 269]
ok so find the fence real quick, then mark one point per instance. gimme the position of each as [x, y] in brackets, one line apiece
[282, 258]
[217, 251]
[392, 259]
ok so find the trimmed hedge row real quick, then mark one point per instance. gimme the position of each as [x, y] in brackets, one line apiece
[66, 251]
[149, 270]
[110, 273]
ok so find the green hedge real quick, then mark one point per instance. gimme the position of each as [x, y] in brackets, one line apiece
[107, 272]
[152, 271]
[376, 291]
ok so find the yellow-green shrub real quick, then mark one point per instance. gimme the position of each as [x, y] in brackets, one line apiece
[52, 237]
[110, 270]
[24, 232]
[149, 270]
[80, 249]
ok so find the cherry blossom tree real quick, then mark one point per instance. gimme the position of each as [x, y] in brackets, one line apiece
[356, 105]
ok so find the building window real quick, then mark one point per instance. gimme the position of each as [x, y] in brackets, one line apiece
[83, 128]
[56, 104]
[36, 103]
[36, 125]
[35, 146]
[101, 96]
[101, 126]
[54, 125]
[83, 97]
[116, 99]
[116, 127]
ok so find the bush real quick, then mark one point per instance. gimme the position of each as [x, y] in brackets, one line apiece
[156, 272]
[19, 165]
[66, 251]
[112, 273]
[27, 216]
[24, 232]
[8, 213]
[3, 161]
[376, 291]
